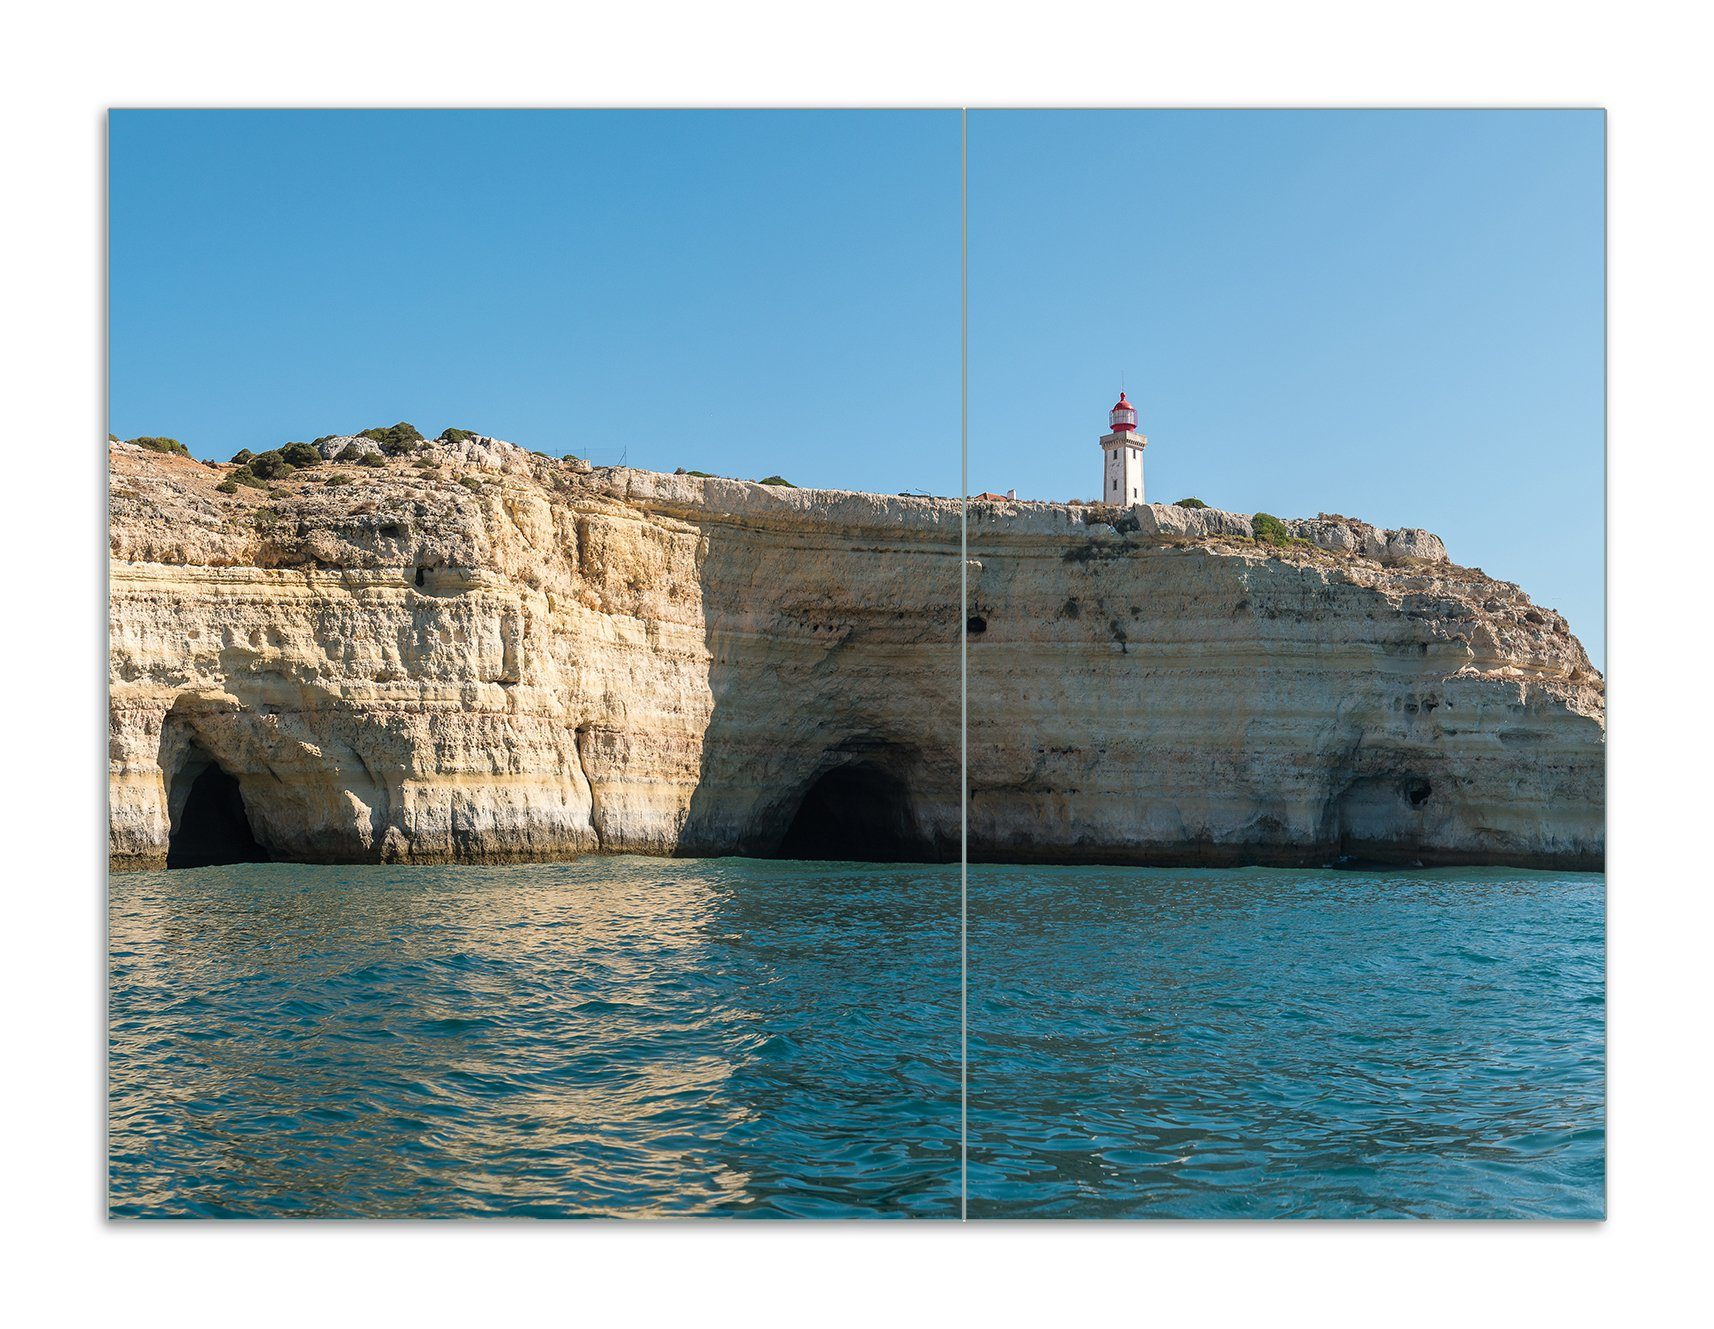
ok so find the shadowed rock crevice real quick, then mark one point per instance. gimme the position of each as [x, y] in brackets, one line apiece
[211, 826]
[1381, 817]
[861, 813]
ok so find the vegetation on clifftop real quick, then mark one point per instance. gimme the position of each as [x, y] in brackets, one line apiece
[156, 444]
[395, 440]
[242, 476]
[1271, 530]
[271, 465]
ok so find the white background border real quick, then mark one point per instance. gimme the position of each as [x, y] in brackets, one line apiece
[1646, 63]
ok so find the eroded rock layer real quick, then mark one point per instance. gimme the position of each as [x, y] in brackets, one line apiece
[478, 654]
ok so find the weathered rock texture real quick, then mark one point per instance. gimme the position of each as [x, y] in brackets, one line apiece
[481, 654]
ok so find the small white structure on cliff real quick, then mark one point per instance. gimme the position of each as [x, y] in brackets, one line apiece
[1122, 456]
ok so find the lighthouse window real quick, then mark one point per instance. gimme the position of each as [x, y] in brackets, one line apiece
[1115, 486]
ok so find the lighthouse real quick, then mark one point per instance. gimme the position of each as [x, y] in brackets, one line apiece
[1122, 456]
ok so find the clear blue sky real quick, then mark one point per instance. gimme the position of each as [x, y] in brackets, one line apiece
[1395, 315]
[743, 293]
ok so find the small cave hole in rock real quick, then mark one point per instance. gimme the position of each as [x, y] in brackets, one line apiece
[422, 576]
[859, 813]
[212, 826]
[1418, 792]
[975, 625]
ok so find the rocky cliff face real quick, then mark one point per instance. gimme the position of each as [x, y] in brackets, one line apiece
[480, 654]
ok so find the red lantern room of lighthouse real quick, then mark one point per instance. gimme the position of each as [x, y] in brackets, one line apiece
[1122, 456]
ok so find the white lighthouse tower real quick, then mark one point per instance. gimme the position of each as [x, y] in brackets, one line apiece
[1122, 457]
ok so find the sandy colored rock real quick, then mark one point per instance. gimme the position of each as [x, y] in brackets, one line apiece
[332, 446]
[478, 654]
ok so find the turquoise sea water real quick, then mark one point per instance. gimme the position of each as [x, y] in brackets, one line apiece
[635, 1037]
[1262, 1043]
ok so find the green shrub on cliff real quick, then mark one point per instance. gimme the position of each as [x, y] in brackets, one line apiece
[301, 454]
[350, 452]
[778, 480]
[395, 440]
[701, 475]
[334, 481]
[242, 476]
[243, 457]
[450, 435]
[168, 445]
[371, 459]
[271, 465]
[471, 483]
[1190, 503]
[1271, 530]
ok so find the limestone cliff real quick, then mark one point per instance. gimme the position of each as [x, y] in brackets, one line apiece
[480, 654]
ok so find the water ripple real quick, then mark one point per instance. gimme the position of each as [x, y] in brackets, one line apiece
[631, 1037]
[608, 1038]
[1247, 1044]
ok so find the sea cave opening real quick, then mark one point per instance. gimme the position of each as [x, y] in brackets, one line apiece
[212, 826]
[857, 813]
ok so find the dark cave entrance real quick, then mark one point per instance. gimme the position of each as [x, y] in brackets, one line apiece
[857, 813]
[1381, 819]
[212, 827]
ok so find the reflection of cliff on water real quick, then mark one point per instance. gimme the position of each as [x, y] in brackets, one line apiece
[616, 1036]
